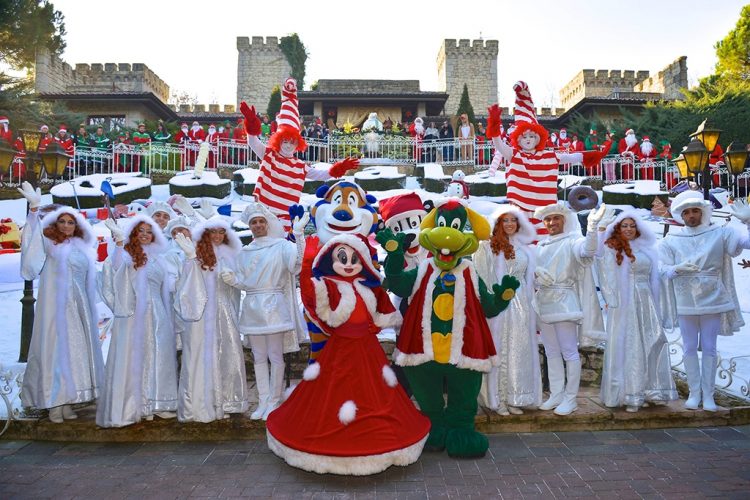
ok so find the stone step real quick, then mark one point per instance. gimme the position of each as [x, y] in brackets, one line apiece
[590, 416]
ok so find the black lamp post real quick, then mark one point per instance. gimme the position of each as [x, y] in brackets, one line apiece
[735, 158]
[7, 155]
[708, 138]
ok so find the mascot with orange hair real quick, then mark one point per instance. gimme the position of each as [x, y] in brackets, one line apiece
[531, 178]
[282, 175]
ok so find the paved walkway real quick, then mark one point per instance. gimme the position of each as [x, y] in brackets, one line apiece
[670, 463]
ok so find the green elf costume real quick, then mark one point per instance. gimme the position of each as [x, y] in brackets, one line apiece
[445, 340]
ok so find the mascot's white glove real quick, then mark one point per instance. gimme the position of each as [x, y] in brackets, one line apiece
[543, 277]
[608, 218]
[187, 246]
[596, 216]
[206, 210]
[592, 222]
[685, 268]
[117, 234]
[740, 209]
[298, 228]
[183, 206]
[229, 278]
[34, 197]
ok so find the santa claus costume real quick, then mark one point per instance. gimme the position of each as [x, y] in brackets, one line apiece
[349, 415]
[648, 155]
[282, 175]
[629, 150]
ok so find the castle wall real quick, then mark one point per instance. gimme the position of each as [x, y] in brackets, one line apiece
[599, 83]
[53, 75]
[668, 81]
[261, 65]
[473, 63]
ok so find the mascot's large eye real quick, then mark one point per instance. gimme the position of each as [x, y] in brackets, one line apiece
[353, 200]
[441, 222]
[414, 222]
[396, 228]
[456, 223]
[341, 256]
[355, 259]
[336, 199]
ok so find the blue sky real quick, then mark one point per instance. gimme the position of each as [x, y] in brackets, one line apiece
[192, 44]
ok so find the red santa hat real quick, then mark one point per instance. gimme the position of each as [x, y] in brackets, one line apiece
[183, 124]
[288, 118]
[629, 131]
[563, 130]
[525, 117]
[44, 128]
[402, 205]
[4, 120]
[645, 138]
[63, 128]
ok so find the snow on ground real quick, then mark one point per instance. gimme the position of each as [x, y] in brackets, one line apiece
[734, 350]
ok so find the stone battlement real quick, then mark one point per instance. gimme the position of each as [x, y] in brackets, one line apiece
[261, 65]
[470, 62]
[53, 75]
[464, 46]
[258, 43]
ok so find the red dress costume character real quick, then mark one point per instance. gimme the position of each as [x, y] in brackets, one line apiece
[282, 175]
[349, 415]
[182, 138]
[196, 136]
[213, 139]
[629, 150]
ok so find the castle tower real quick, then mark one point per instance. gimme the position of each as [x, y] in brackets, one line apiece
[261, 65]
[473, 63]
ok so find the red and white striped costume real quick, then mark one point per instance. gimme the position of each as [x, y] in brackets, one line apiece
[280, 183]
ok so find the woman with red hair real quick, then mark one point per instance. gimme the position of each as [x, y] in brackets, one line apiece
[212, 375]
[517, 382]
[65, 364]
[637, 368]
[141, 373]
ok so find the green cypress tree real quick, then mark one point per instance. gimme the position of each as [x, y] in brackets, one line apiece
[274, 103]
[464, 105]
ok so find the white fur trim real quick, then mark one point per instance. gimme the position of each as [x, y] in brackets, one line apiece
[690, 199]
[572, 224]
[160, 241]
[389, 376]
[180, 221]
[350, 466]
[353, 241]
[347, 412]
[311, 372]
[526, 231]
[380, 319]
[51, 218]
[218, 222]
[161, 206]
[323, 309]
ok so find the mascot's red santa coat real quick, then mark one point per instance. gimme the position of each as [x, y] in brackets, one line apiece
[349, 415]
[471, 341]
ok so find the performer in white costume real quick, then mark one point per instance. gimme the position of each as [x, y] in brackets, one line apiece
[212, 375]
[141, 371]
[65, 364]
[174, 258]
[270, 318]
[517, 382]
[637, 367]
[566, 300]
[701, 298]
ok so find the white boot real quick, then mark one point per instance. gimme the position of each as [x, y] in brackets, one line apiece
[68, 413]
[693, 372]
[261, 382]
[708, 378]
[556, 375]
[277, 387]
[56, 415]
[569, 403]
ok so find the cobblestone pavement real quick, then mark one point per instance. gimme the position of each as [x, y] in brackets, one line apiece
[670, 463]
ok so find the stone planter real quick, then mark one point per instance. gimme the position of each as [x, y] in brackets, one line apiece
[126, 188]
[209, 185]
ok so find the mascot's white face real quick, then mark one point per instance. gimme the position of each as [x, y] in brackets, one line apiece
[408, 224]
[528, 141]
[346, 261]
[343, 210]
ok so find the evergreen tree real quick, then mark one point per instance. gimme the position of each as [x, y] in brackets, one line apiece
[25, 27]
[464, 105]
[296, 55]
[274, 103]
[733, 52]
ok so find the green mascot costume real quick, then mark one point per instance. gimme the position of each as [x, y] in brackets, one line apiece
[445, 341]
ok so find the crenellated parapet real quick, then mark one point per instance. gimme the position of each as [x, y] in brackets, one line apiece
[470, 62]
[261, 65]
[53, 75]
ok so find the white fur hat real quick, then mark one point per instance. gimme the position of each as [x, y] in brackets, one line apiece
[218, 222]
[51, 218]
[160, 206]
[159, 238]
[572, 224]
[255, 209]
[526, 231]
[647, 237]
[178, 222]
[690, 199]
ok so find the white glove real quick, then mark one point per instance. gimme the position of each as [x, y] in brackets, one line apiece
[183, 206]
[33, 197]
[186, 245]
[543, 277]
[740, 209]
[608, 218]
[207, 209]
[229, 278]
[685, 267]
[117, 234]
[595, 216]
[299, 225]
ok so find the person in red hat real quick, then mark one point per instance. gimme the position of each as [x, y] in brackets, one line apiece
[212, 137]
[564, 142]
[5, 133]
[629, 150]
[239, 135]
[282, 175]
[348, 415]
[403, 213]
[531, 178]
[66, 143]
[46, 139]
[648, 155]
[182, 138]
[140, 139]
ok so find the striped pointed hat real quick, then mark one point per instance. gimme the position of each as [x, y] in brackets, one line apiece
[525, 117]
[289, 114]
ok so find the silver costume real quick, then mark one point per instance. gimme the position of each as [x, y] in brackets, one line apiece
[141, 371]
[65, 363]
[517, 381]
[637, 367]
[212, 376]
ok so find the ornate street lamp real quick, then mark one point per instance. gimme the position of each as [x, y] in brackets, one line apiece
[7, 154]
[735, 158]
[681, 165]
[708, 137]
[696, 156]
[55, 160]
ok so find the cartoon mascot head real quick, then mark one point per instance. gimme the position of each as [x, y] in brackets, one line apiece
[444, 236]
[344, 208]
[404, 213]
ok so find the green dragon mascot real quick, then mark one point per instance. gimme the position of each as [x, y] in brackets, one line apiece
[445, 341]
